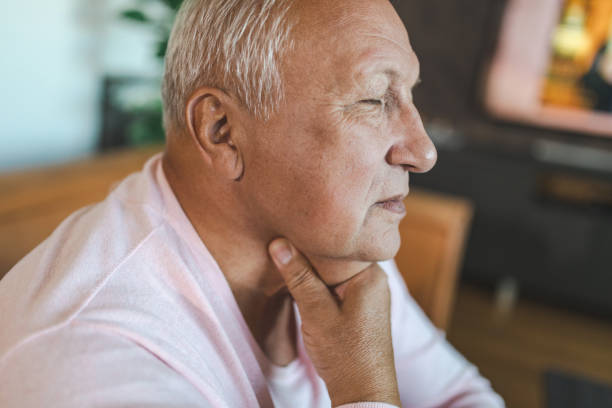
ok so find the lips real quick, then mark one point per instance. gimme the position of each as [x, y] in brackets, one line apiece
[394, 204]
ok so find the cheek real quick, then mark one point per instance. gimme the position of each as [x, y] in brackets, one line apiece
[335, 195]
[316, 187]
[328, 207]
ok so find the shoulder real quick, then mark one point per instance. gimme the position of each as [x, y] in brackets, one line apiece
[58, 278]
[80, 366]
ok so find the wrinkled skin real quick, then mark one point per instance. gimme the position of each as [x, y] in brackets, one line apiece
[345, 138]
[346, 332]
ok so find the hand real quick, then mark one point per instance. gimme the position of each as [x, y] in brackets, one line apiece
[347, 332]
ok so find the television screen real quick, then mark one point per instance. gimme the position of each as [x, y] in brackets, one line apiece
[553, 65]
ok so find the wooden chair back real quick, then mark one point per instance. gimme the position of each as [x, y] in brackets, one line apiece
[433, 235]
[34, 202]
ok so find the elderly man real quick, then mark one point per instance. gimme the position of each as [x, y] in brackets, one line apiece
[291, 133]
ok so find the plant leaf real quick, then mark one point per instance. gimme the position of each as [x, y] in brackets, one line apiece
[173, 4]
[135, 15]
[162, 46]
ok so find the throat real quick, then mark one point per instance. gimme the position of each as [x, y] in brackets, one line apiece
[272, 322]
[279, 341]
[236, 240]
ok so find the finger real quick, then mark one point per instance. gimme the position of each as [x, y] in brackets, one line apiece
[308, 290]
[369, 286]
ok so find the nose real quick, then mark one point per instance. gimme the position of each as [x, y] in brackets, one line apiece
[413, 148]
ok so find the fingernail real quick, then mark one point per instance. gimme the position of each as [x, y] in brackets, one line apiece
[281, 252]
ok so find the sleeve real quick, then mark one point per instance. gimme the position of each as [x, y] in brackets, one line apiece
[430, 372]
[86, 368]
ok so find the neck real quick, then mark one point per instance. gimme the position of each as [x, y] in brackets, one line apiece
[241, 251]
[243, 258]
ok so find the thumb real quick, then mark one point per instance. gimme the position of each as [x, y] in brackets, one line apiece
[308, 290]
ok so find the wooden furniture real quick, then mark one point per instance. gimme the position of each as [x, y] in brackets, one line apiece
[433, 236]
[34, 202]
[513, 349]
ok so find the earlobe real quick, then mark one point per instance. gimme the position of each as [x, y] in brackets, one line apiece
[208, 117]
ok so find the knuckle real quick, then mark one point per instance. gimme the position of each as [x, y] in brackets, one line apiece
[378, 271]
[376, 277]
[300, 278]
[379, 276]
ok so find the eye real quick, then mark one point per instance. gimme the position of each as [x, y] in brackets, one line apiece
[372, 101]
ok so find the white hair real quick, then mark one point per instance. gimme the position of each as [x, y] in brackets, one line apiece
[232, 45]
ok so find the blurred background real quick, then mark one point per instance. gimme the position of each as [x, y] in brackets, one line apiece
[78, 77]
[516, 94]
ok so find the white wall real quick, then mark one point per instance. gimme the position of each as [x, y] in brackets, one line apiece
[53, 55]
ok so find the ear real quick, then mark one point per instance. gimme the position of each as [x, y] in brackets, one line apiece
[212, 123]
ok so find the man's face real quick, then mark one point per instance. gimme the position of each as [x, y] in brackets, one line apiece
[330, 169]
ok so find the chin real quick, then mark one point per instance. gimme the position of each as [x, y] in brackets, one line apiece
[380, 247]
[335, 270]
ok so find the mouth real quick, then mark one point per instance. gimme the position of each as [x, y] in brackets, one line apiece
[393, 204]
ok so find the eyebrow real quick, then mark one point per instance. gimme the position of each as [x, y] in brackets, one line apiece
[372, 63]
[394, 76]
[389, 70]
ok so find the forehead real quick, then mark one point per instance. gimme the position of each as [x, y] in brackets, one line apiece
[353, 40]
[323, 16]
[393, 63]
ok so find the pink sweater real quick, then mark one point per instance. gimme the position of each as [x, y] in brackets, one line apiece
[123, 306]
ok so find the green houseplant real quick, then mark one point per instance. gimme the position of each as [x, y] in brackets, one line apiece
[145, 125]
[160, 23]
